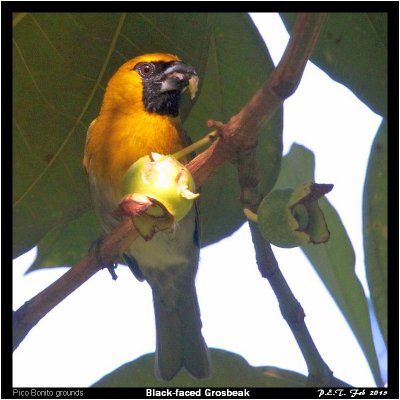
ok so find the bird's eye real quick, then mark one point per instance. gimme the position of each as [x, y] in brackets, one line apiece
[145, 70]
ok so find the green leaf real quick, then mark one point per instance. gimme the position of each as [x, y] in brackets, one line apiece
[229, 370]
[61, 65]
[352, 49]
[334, 261]
[227, 86]
[375, 226]
[59, 246]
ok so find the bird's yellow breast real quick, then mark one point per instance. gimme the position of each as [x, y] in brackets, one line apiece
[116, 140]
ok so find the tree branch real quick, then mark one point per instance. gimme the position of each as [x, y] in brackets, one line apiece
[281, 84]
[107, 252]
[319, 372]
[242, 130]
[237, 143]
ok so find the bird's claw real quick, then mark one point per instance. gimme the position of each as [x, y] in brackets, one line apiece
[111, 269]
[95, 249]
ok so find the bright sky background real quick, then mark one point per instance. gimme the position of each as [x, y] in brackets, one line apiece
[107, 323]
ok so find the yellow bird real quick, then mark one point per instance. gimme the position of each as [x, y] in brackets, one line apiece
[140, 115]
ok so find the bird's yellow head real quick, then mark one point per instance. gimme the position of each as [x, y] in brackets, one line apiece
[152, 83]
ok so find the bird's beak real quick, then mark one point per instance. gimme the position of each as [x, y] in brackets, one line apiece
[178, 77]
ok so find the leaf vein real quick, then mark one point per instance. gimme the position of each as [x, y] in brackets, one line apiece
[84, 109]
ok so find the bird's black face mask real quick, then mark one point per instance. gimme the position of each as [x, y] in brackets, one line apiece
[163, 84]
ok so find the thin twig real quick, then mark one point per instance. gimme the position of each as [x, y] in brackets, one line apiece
[292, 312]
[319, 372]
[281, 84]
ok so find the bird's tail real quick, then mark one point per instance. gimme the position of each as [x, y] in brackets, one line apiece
[179, 339]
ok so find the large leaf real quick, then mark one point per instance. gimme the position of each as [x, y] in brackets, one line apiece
[375, 226]
[228, 85]
[61, 63]
[229, 370]
[334, 261]
[352, 49]
[60, 247]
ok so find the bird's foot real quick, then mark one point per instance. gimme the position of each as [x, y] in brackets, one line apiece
[95, 249]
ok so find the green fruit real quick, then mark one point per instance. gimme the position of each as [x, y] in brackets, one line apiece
[166, 182]
[291, 217]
